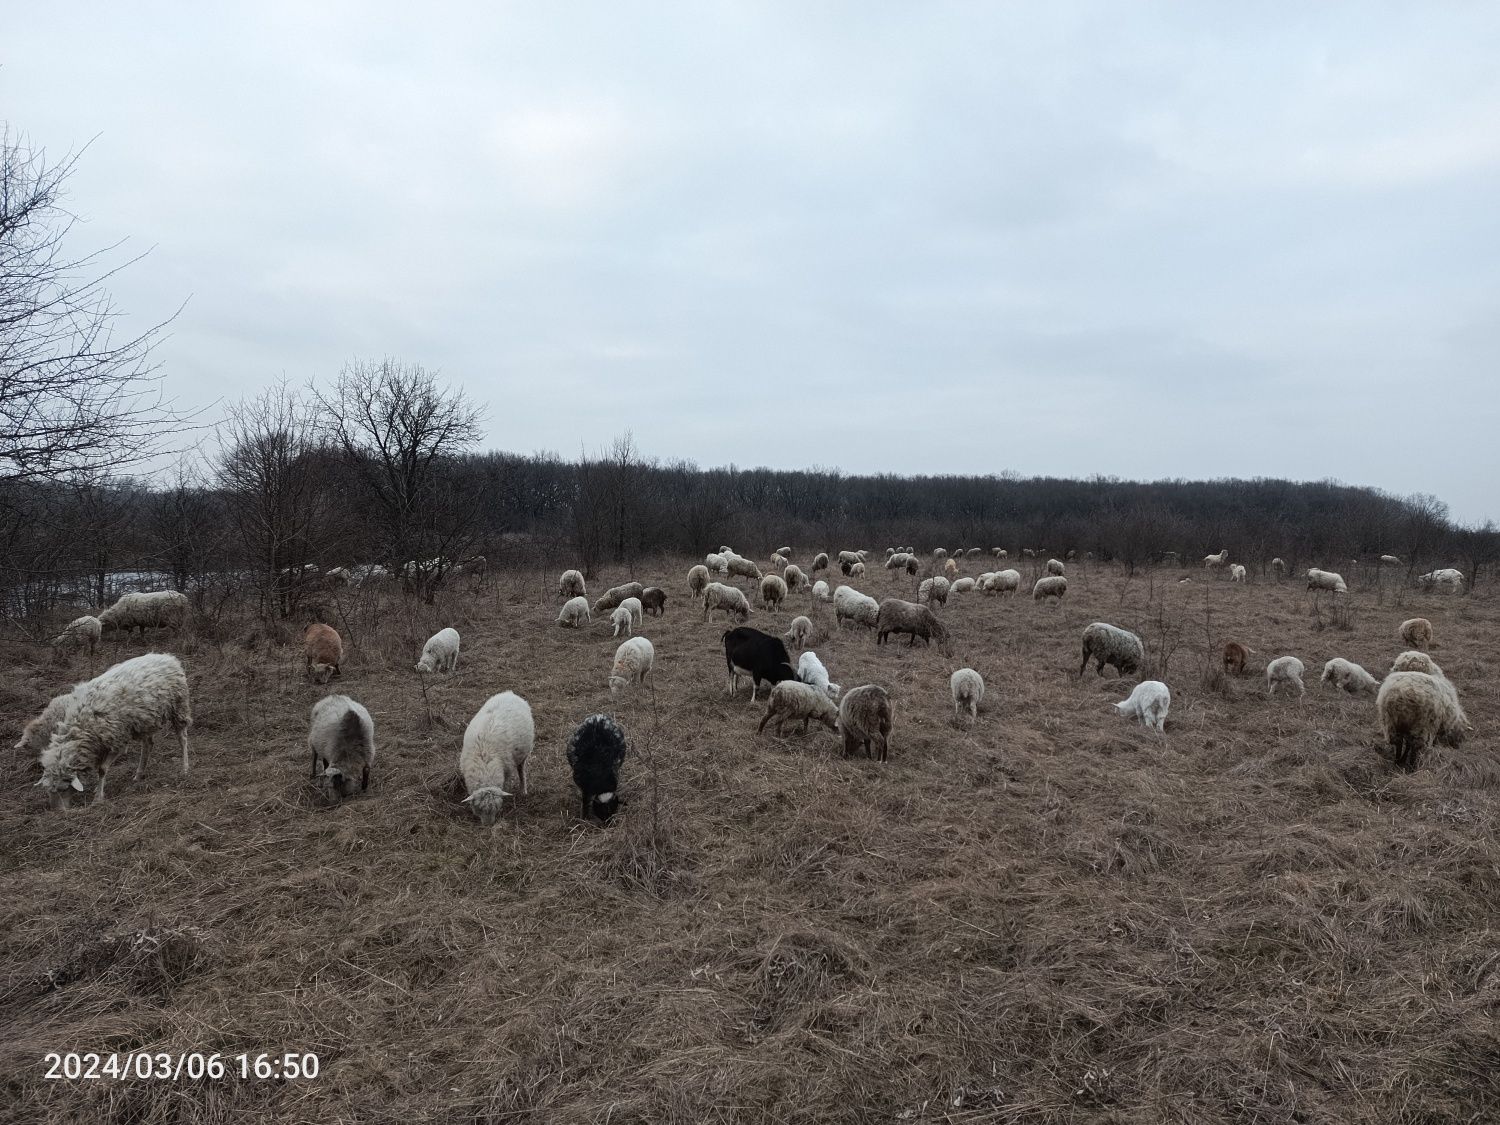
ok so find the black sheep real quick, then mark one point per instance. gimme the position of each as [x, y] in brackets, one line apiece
[595, 752]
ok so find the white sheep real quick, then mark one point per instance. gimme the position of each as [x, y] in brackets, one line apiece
[742, 568]
[1278, 567]
[571, 585]
[1446, 581]
[821, 592]
[632, 665]
[575, 613]
[1000, 552]
[617, 594]
[162, 609]
[133, 700]
[38, 732]
[810, 671]
[636, 608]
[1349, 676]
[1109, 644]
[963, 585]
[341, 736]
[772, 591]
[800, 633]
[1285, 670]
[1416, 710]
[793, 577]
[850, 605]
[1416, 632]
[497, 742]
[1052, 586]
[1055, 567]
[933, 590]
[1456, 722]
[967, 688]
[730, 599]
[697, 580]
[1149, 702]
[79, 632]
[1216, 562]
[1390, 560]
[791, 700]
[622, 619]
[857, 570]
[1005, 582]
[778, 560]
[1236, 572]
[716, 564]
[440, 653]
[1326, 580]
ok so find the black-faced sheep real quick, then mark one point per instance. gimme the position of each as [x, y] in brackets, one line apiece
[341, 736]
[865, 721]
[595, 750]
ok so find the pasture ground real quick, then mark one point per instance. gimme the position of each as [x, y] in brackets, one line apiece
[1050, 916]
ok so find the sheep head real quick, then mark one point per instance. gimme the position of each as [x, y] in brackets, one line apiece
[487, 803]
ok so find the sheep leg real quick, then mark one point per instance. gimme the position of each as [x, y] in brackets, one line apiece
[314, 773]
[805, 719]
[521, 769]
[99, 791]
[182, 741]
[140, 767]
[764, 721]
[364, 779]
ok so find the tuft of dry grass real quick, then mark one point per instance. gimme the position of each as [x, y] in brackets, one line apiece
[1046, 916]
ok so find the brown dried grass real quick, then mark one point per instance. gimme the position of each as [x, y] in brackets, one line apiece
[1051, 916]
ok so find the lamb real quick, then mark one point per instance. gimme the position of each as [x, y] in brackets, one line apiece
[572, 585]
[793, 577]
[1053, 586]
[1416, 710]
[164, 609]
[1148, 702]
[933, 590]
[697, 581]
[820, 561]
[635, 609]
[654, 601]
[1109, 644]
[38, 732]
[633, 660]
[1448, 581]
[1346, 674]
[440, 653]
[1236, 572]
[1235, 655]
[1005, 582]
[323, 652]
[341, 736]
[772, 591]
[622, 619]
[801, 632]
[595, 750]
[749, 652]
[967, 687]
[1285, 670]
[850, 605]
[728, 598]
[617, 594]
[857, 570]
[1054, 567]
[1000, 552]
[575, 613]
[79, 632]
[1216, 562]
[897, 616]
[821, 592]
[791, 700]
[1326, 580]
[1416, 633]
[810, 671]
[865, 720]
[912, 566]
[1390, 560]
[132, 700]
[497, 742]
[950, 569]
[963, 585]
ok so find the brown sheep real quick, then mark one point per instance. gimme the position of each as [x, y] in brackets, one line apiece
[1234, 657]
[1416, 633]
[654, 600]
[324, 652]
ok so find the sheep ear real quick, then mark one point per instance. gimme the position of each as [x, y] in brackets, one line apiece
[41, 781]
[605, 798]
[503, 792]
[77, 784]
[467, 799]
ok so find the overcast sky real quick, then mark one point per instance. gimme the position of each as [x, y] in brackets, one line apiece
[1145, 240]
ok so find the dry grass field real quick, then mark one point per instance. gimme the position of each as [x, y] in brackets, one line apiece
[1050, 916]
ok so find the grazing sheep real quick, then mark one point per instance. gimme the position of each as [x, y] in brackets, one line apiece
[575, 613]
[810, 671]
[820, 561]
[963, 585]
[1236, 572]
[897, 616]
[772, 591]
[1000, 552]
[846, 569]
[1148, 702]
[654, 600]
[749, 652]
[697, 581]
[617, 594]
[784, 552]
[1416, 633]
[133, 700]
[163, 609]
[1326, 580]
[622, 619]
[850, 605]
[77, 633]
[1005, 582]
[973, 553]
[633, 661]
[794, 578]
[323, 651]
[967, 688]
[1053, 586]
[337, 577]
[595, 750]
[1416, 710]
[933, 590]
[1346, 674]
[1390, 560]
[821, 592]
[572, 585]
[1027, 553]
[950, 569]
[850, 557]
[440, 653]
[497, 742]
[1216, 562]
[1454, 728]
[1109, 644]
[857, 570]
[865, 720]
[742, 568]
[1416, 662]
[38, 732]
[896, 562]
[791, 700]
[341, 736]
[1278, 567]
[728, 598]
[1285, 670]
[939, 554]
[1448, 581]
[801, 632]
[635, 609]
[717, 565]
[1235, 655]
[777, 560]
[1055, 567]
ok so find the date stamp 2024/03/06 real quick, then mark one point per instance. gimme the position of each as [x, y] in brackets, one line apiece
[169, 1066]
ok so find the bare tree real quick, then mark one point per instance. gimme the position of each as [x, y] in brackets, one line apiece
[74, 395]
[399, 430]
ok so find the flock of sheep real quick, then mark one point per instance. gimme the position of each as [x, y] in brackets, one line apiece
[82, 732]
